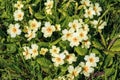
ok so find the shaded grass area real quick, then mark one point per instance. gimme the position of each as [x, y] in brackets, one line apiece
[13, 65]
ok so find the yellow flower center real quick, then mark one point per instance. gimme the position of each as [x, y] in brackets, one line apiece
[75, 39]
[81, 34]
[74, 26]
[49, 30]
[91, 59]
[33, 25]
[68, 57]
[74, 73]
[58, 59]
[14, 30]
[85, 68]
[34, 51]
[19, 15]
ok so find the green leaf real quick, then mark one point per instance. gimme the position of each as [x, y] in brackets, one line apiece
[47, 78]
[116, 46]
[11, 48]
[109, 71]
[43, 44]
[39, 16]
[108, 60]
[80, 51]
[97, 44]
[64, 44]
[44, 62]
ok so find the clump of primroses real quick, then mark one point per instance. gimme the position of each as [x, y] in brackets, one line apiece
[76, 33]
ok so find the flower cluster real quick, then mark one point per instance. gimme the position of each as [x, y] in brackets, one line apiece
[85, 68]
[18, 14]
[30, 52]
[77, 33]
[49, 6]
[34, 25]
[59, 58]
[92, 10]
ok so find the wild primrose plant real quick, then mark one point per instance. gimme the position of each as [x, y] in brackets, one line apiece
[58, 40]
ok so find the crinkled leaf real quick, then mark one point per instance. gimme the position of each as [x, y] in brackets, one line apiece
[44, 62]
[108, 60]
[43, 44]
[116, 46]
[80, 51]
[11, 48]
[109, 72]
[97, 44]
[47, 78]
[39, 16]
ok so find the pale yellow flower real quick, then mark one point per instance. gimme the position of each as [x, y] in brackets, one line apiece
[58, 59]
[58, 27]
[97, 9]
[86, 44]
[82, 34]
[54, 50]
[34, 50]
[30, 34]
[48, 29]
[18, 15]
[14, 30]
[91, 59]
[86, 3]
[86, 69]
[43, 51]
[70, 58]
[26, 53]
[75, 40]
[34, 25]
[75, 25]
[67, 34]
[73, 72]
[49, 4]
[89, 13]
[18, 5]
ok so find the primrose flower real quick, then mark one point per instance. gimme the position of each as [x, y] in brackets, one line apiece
[34, 25]
[43, 51]
[30, 34]
[49, 4]
[89, 13]
[18, 5]
[86, 69]
[100, 25]
[75, 40]
[75, 25]
[48, 11]
[58, 27]
[18, 15]
[58, 59]
[67, 34]
[70, 58]
[82, 34]
[34, 50]
[48, 29]
[14, 30]
[92, 59]
[54, 51]
[73, 72]
[97, 9]
[86, 3]
[85, 27]
[86, 44]
[26, 53]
